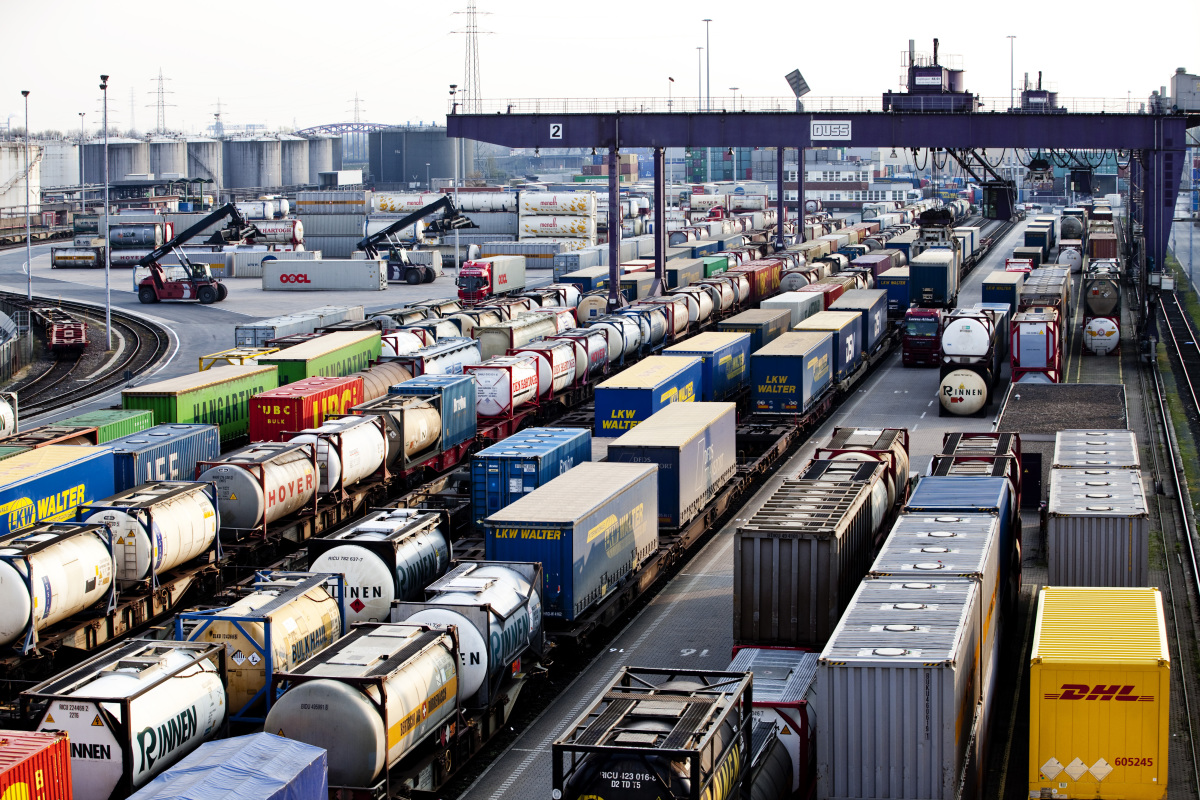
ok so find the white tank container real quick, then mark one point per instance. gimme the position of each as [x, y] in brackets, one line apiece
[183, 705]
[504, 384]
[557, 227]
[556, 365]
[401, 203]
[553, 203]
[968, 336]
[8, 414]
[564, 318]
[963, 392]
[257, 209]
[705, 202]
[291, 620]
[156, 527]
[389, 555]
[591, 350]
[725, 289]
[514, 612]
[397, 343]
[567, 294]
[624, 335]
[281, 231]
[689, 304]
[1070, 257]
[496, 340]
[68, 576]
[653, 324]
[344, 719]
[794, 279]
[448, 357]
[348, 450]
[258, 484]
[1101, 336]
[480, 317]
[592, 307]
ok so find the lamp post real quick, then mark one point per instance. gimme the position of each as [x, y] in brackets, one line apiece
[82, 182]
[107, 259]
[428, 185]
[1011, 74]
[454, 109]
[708, 61]
[670, 92]
[28, 245]
[699, 79]
[734, 90]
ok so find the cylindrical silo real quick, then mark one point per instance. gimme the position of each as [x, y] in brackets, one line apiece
[252, 163]
[293, 160]
[337, 152]
[125, 157]
[204, 159]
[320, 158]
[168, 157]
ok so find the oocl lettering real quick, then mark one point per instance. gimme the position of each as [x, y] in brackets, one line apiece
[155, 743]
[1082, 691]
[297, 277]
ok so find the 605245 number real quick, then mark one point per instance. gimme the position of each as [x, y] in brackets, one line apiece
[1133, 762]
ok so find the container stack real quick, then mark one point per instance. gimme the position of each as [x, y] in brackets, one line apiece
[334, 221]
[493, 213]
[563, 221]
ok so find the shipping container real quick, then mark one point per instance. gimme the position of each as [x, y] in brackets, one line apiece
[872, 305]
[523, 462]
[331, 355]
[1107, 646]
[261, 766]
[764, 278]
[302, 405]
[446, 357]
[846, 328]
[636, 286]
[631, 396]
[162, 453]
[792, 372]
[1033, 254]
[933, 278]
[351, 201]
[324, 275]
[899, 675]
[590, 279]
[454, 399]
[763, 325]
[1098, 528]
[1040, 236]
[877, 263]
[8, 451]
[590, 528]
[802, 305]
[683, 272]
[112, 423]
[1089, 449]
[48, 484]
[724, 362]
[1103, 245]
[35, 765]
[565, 263]
[1004, 287]
[714, 265]
[963, 494]
[827, 289]
[257, 334]
[219, 396]
[798, 559]
[693, 445]
[895, 282]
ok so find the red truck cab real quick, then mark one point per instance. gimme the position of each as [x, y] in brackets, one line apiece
[474, 282]
[921, 344]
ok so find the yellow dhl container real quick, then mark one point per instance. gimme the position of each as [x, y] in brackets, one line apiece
[1099, 694]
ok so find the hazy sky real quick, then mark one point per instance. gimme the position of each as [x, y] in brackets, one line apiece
[302, 62]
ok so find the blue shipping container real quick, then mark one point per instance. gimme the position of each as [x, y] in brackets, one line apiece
[523, 462]
[589, 529]
[895, 282]
[724, 361]
[763, 324]
[261, 766]
[589, 279]
[163, 453]
[653, 383]
[457, 396]
[872, 304]
[968, 495]
[48, 484]
[704, 247]
[846, 327]
[791, 372]
[682, 272]
[575, 261]
[1003, 287]
[695, 448]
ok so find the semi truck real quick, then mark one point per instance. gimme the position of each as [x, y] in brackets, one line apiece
[494, 276]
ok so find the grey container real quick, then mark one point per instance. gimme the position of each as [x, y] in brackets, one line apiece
[492, 223]
[896, 692]
[797, 561]
[248, 264]
[1101, 449]
[334, 225]
[333, 246]
[1098, 530]
[573, 262]
[257, 334]
[357, 201]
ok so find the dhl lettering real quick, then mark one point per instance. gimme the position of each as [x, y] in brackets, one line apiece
[1082, 691]
[528, 533]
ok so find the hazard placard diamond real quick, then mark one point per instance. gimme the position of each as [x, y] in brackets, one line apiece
[1051, 768]
[357, 605]
[1101, 769]
[1076, 769]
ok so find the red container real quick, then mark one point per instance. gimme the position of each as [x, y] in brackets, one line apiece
[764, 277]
[35, 766]
[830, 289]
[300, 405]
[1102, 245]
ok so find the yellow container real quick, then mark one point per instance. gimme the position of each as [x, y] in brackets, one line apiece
[1100, 681]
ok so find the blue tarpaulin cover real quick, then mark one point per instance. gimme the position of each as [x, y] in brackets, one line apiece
[261, 766]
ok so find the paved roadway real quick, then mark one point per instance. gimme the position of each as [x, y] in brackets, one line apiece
[195, 329]
[689, 623]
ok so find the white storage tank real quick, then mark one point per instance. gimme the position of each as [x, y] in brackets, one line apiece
[262, 482]
[389, 555]
[288, 618]
[555, 362]
[504, 383]
[496, 340]
[349, 450]
[398, 343]
[68, 564]
[133, 711]
[8, 413]
[157, 526]
[624, 335]
[336, 701]
[591, 350]
[963, 392]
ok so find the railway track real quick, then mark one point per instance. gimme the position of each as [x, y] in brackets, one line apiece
[142, 344]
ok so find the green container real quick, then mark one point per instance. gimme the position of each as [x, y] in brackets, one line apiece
[333, 355]
[10, 450]
[714, 265]
[113, 423]
[219, 396]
